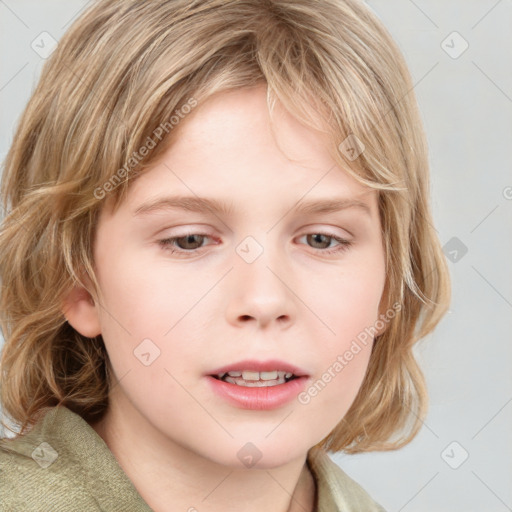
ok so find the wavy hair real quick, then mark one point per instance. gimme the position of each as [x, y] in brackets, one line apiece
[117, 77]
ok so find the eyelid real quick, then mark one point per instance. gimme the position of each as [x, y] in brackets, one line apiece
[167, 244]
[307, 230]
[326, 228]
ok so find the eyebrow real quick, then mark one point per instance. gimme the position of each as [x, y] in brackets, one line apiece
[210, 205]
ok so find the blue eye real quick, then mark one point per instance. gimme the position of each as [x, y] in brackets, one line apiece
[191, 243]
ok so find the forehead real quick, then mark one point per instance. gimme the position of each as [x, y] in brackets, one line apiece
[240, 120]
[228, 148]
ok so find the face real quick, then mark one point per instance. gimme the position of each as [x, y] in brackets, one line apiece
[271, 282]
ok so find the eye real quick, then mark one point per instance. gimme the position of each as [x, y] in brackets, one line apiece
[181, 245]
[324, 240]
[191, 243]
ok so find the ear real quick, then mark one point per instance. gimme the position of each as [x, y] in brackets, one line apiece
[81, 312]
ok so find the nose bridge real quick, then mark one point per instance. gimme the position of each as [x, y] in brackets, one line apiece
[259, 258]
[259, 290]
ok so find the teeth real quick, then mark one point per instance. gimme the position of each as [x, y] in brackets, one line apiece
[268, 375]
[246, 375]
[255, 383]
[255, 379]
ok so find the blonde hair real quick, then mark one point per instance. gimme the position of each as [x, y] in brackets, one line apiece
[116, 78]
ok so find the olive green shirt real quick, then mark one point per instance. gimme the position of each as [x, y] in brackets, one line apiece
[63, 465]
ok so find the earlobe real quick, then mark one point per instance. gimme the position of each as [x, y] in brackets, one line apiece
[81, 312]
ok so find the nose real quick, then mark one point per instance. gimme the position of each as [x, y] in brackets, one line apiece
[261, 292]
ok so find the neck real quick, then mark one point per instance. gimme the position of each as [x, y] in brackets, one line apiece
[170, 476]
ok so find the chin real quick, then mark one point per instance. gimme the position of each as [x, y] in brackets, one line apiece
[267, 454]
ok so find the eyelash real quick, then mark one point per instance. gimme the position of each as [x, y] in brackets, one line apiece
[167, 244]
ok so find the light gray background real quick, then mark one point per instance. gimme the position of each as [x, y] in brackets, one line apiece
[466, 102]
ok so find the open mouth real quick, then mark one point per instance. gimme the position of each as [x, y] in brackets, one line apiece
[252, 379]
[258, 385]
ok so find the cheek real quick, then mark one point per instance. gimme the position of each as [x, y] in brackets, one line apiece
[348, 303]
[141, 299]
[147, 319]
[341, 370]
[344, 346]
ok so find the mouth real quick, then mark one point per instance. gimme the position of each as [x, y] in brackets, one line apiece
[258, 385]
[252, 379]
[251, 373]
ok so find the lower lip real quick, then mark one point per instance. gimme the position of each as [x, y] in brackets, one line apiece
[263, 398]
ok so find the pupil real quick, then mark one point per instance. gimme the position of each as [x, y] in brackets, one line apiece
[189, 239]
[319, 235]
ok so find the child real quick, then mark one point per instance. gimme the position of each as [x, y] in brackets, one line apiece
[148, 373]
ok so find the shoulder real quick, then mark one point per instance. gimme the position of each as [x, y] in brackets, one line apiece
[34, 476]
[335, 489]
[63, 465]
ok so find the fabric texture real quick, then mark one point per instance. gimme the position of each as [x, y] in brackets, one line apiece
[63, 465]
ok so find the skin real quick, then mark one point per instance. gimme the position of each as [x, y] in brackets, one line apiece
[176, 440]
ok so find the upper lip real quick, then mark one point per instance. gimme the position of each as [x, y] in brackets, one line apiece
[260, 366]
